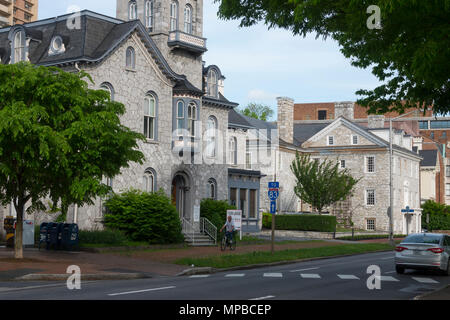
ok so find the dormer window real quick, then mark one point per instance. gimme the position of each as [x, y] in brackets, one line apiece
[56, 46]
[132, 10]
[173, 16]
[212, 83]
[188, 19]
[19, 47]
[149, 15]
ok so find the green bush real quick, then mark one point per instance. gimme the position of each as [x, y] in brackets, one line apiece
[301, 222]
[267, 220]
[107, 236]
[215, 211]
[439, 216]
[370, 237]
[143, 216]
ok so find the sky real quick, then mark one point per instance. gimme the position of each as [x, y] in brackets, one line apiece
[260, 64]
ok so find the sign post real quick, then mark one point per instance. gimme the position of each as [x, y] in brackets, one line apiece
[274, 192]
[236, 217]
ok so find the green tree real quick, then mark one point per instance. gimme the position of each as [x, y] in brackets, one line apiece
[410, 54]
[321, 183]
[257, 111]
[58, 139]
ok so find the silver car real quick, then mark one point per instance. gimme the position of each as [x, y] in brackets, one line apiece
[423, 251]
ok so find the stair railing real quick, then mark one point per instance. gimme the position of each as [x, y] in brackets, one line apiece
[188, 230]
[209, 229]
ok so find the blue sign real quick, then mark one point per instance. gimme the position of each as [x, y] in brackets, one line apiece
[274, 190]
[407, 210]
[273, 207]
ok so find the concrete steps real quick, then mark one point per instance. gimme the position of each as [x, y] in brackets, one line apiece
[200, 240]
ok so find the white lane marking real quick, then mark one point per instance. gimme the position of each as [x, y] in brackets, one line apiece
[389, 272]
[139, 291]
[386, 278]
[305, 269]
[347, 277]
[425, 280]
[233, 275]
[263, 298]
[273, 275]
[387, 258]
[310, 276]
[199, 276]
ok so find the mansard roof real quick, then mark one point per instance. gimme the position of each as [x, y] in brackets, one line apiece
[430, 158]
[220, 102]
[90, 38]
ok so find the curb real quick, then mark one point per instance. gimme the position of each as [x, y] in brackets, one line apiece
[424, 295]
[64, 277]
[211, 270]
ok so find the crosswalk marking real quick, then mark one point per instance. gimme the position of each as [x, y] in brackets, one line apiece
[347, 277]
[273, 275]
[425, 280]
[386, 278]
[305, 269]
[310, 276]
[200, 276]
[263, 298]
[233, 275]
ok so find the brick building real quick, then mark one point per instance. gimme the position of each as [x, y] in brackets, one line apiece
[18, 12]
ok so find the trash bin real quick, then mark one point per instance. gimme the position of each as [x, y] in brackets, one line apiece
[43, 231]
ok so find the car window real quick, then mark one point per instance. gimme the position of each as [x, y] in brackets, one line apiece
[423, 238]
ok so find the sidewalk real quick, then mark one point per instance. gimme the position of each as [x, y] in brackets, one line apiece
[56, 262]
[442, 294]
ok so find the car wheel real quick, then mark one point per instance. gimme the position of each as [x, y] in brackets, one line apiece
[399, 270]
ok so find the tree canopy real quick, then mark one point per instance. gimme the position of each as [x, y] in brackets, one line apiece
[409, 54]
[58, 139]
[257, 111]
[321, 183]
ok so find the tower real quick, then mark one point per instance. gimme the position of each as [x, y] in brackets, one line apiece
[176, 26]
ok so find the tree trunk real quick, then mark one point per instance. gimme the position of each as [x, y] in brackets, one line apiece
[18, 237]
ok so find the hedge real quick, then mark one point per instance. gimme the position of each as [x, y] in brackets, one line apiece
[302, 222]
[144, 216]
[215, 211]
[437, 222]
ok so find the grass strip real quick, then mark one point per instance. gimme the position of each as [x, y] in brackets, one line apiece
[235, 260]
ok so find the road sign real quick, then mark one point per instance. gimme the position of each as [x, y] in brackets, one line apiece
[273, 207]
[407, 210]
[274, 190]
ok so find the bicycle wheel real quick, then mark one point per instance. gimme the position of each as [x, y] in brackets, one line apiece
[223, 244]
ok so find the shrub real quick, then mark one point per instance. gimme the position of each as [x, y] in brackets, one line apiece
[267, 220]
[305, 223]
[144, 216]
[107, 236]
[439, 216]
[215, 211]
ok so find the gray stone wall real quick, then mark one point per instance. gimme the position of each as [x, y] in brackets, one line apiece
[286, 119]
[344, 109]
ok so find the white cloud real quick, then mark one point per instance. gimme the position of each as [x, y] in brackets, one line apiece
[261, 95]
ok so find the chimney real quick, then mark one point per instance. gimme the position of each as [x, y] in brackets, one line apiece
[286, 119]
[375, 121]
[344, 109]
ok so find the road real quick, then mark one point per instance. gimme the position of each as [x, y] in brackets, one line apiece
[335, 278]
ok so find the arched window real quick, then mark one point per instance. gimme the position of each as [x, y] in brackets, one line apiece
[19, 46]
[149, 15]
[188, 19]
[211, 132]
[212, 83]
[108, 87]
[212, 189]
[173, 16]
[132, 10]
[232, 148]
[192, 117]
[180, 117]
[131, 58]
[149, 180]
[150, 116]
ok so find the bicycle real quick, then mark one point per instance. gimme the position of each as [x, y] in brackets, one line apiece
[226, 243]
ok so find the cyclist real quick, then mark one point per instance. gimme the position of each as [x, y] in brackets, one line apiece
[229, 229]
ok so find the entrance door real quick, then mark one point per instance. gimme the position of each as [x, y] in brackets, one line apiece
[179, 195]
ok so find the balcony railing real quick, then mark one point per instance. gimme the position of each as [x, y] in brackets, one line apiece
[187, 41]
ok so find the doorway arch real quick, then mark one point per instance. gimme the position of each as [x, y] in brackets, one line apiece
[180, 195]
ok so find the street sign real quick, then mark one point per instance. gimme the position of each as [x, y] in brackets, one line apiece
[407, 210]
[273, 207]
[274, 190]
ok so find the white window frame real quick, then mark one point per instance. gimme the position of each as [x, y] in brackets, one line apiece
[366, 197]
[211, 134]
[352, 139]
[180, 118]
[130, 58]
[213, 83]
[212, 189]
[149, 176]
[248, 155]
[192, 117]
[132, 10]
[149, 117]
[374, 224]
[188, 19]
[149, 15]
[232, 152]
[332, 141]
[173, 16]
[342, 161]
[19, 47]
[366, 164]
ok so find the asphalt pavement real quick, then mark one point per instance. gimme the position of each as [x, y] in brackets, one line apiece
[328, 279]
